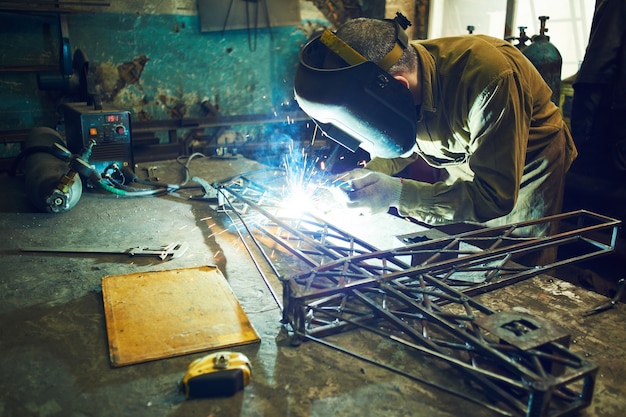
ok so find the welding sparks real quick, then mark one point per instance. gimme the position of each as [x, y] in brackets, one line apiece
[302, 180]
[300, 187]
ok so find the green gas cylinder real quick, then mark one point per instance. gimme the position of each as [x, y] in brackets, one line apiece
[521, 39]
[547, 59]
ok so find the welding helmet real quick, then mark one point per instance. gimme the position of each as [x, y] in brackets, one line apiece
[358, 104]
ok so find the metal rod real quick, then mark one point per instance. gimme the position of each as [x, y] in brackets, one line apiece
[351, 283]
[409, 376]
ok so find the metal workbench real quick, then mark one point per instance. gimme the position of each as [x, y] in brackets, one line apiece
[54, 344]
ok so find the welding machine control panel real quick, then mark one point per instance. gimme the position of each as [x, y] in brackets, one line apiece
[106, 127]
[109, 129]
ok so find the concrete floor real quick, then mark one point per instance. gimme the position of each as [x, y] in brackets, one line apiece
[53, 342]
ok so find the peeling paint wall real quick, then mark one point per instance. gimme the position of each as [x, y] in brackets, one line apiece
[150, 58]
[176, 66]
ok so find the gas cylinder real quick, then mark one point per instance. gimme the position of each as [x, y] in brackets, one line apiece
[547, 59]
[522, 39]
[50, 183]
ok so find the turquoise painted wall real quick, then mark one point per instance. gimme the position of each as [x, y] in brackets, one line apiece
[187, 65]
[241, 72]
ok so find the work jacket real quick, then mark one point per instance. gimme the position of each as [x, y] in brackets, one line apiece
[487, 120]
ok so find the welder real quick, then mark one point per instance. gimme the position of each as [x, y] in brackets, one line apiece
[472, 106]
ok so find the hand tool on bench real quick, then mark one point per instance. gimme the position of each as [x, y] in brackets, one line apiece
[173, 250]
[607, 305]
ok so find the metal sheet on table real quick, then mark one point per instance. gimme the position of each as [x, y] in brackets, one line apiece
[162, 314]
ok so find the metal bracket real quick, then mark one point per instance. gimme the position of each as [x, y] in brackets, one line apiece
[419, 297]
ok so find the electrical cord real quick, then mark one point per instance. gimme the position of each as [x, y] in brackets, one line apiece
[251, 30]
[107, 181]
[126, 176]
[185, 165]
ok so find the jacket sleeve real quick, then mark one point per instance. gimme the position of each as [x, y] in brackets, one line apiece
[391, 166]
[497, 125]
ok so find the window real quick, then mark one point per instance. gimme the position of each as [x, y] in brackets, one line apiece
[568, 24]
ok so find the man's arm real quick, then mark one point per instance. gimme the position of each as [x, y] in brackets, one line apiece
[391, 166]
[498, 122]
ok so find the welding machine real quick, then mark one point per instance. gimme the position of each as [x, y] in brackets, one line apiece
[108, 129]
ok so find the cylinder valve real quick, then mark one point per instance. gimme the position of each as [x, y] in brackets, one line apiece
[547, 59]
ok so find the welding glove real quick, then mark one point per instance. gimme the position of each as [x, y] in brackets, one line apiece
[369, 192]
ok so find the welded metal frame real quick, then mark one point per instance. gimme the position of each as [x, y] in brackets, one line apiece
[421, 296]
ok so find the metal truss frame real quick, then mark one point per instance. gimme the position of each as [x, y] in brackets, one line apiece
[422, 296]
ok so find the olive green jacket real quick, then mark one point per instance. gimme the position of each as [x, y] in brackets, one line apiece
[487, 119]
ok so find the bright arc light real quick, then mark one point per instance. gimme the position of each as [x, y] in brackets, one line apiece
[300, 185]
[298, 200]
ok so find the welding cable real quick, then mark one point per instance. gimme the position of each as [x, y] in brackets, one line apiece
[251, 173]
[129, 177]
[172, 187]
[157, 188]
[92, 176]
[89, 173]
[77, 164]
[186, 164]
[258, 245]
[129, 193]
[112, 171]
[167, 186]
[134, 191]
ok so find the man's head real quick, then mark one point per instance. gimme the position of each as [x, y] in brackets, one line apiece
[351, 84]
[374, 39]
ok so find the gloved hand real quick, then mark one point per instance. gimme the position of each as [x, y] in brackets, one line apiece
[369, 191]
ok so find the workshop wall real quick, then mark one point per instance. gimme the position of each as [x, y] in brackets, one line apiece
[166, 67]
[156, 64]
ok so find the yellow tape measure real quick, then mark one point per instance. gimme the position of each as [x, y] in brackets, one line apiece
[219, 374]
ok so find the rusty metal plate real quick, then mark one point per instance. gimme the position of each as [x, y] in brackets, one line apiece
[523, 330]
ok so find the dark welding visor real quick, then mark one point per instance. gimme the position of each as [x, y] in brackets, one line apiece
[355, 105]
